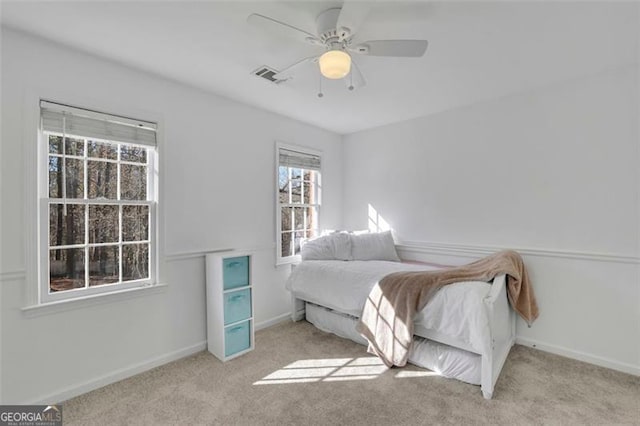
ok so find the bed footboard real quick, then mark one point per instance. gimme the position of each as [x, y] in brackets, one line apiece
[502, 326]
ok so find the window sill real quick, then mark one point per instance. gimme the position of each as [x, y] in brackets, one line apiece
[96, 299]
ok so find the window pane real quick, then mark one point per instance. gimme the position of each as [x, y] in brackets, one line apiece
[135, 261]
[296, 173]
[311, 214]
[55, 177]
[74, 147]
[103, 265]
[75, 177]
[135, 223]
[299, 218]
[134, 154]
[102, 150]
[66, 269]
[66, 230]
[309, 192]
[133, 182]
[286, 223]
[283, 184]
[286, 244]
[283, 176]
[103, 224]
[102, 179]
[55, 144]
[296, 191]
[291, 240]
[284, 194]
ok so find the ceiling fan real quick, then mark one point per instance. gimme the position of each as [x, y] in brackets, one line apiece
[336, 32]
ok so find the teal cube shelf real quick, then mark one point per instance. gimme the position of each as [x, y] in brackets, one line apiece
[230, 298]
[237, 306]
[235, 272]
[237, 338]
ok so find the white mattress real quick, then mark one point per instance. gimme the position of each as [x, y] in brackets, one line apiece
[457, 310]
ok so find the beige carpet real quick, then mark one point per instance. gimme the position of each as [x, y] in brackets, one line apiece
[302, 376]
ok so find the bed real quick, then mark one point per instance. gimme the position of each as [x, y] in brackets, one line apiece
[464, 332]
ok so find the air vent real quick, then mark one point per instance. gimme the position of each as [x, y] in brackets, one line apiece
[267, 73]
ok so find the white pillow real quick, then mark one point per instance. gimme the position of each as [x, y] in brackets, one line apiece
[336, 246]
[374, 246]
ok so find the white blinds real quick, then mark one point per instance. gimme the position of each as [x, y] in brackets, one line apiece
[90, 124]
[289, 158]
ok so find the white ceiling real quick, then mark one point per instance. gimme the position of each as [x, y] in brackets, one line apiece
[478, 50]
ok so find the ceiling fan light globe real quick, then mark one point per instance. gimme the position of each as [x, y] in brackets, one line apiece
[335, 64]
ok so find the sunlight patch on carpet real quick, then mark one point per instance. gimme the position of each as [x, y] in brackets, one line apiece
[326, 370]
[333, 370]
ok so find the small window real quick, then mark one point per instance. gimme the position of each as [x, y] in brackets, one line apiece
[98, 206]
[298, 203]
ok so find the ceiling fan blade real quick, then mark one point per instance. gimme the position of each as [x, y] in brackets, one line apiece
[352, 15]
[405, 48]
[276, 27]
[356, 79]
[289, 71]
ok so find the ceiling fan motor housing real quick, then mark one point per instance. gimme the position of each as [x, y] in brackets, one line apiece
[326, 23]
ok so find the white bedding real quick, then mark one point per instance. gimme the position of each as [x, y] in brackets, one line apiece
[457, 310]
[444, 360]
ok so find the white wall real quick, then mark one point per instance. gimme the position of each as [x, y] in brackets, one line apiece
[554, 172]
[218, 173]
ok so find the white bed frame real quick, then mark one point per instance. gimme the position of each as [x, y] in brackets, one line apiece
[502, 333]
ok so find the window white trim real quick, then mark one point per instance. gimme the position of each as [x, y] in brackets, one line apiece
[280, 260]
[90, 300]
[33, 166]
[45, 295]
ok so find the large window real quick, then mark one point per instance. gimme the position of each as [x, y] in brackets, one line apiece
[298, 203]
[97, 224]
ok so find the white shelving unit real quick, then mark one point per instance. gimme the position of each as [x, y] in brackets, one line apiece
[230, 328]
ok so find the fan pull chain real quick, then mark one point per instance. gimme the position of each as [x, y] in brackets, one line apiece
[320, 94]
[351, 80]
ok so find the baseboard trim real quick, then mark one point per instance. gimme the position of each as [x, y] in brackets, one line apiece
[462, 250]
[273, 321]
[580, 356]
[118, 375]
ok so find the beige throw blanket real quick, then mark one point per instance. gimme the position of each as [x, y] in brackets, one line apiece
[387, 318]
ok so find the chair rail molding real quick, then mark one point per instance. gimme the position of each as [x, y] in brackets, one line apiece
[16, 275]
[467, 250]
[184, 255]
